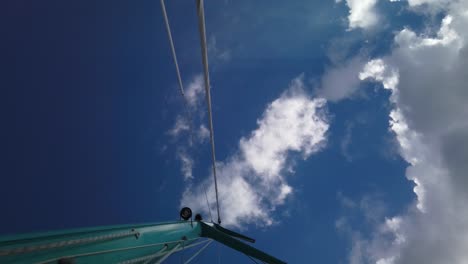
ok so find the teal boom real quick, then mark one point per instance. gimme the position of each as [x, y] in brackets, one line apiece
[146, 243]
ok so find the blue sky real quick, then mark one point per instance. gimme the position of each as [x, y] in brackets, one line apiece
[340, 127]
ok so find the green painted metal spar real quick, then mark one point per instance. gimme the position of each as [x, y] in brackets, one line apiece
[145, 243]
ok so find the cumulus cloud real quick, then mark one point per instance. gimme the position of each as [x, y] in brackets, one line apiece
[289, 123]
[431, 6]
[187, 165]
[203, 133]
[427, 77]
[362, 14]
[377, 70]
[216, 53]
[180, 126]
[253, 181]
[342, 81]
[195, 90]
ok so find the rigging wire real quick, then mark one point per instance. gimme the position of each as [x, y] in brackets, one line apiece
[198, 252]
[207, 202]
[201, 26]
[182, 252]
[253, 260]
[182, 91]
[179, 78]
[174, 249]
[174, 56]
[219, 254]
[122, 249]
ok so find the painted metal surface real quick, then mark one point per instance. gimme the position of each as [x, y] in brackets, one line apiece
[146, 243]
[99, 245]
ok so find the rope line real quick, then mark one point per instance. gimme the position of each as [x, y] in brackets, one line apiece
[174, 56]
[119, 249]
[66, 243]
[179, 78]
[136, 260]
[253, 260]
[168, 254]
[182, 253]
[150, 257]
[207, 202]
[201, 25]
[198, 252]
[219, 253]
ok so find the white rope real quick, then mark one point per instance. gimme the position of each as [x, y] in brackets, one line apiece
[120, 249]
[174, 56]
[153, 256]
[66, 243]
[165, 256]
[219, 254]
[179, 78]
[150, 257]
[198, 252]
[207, 202]
[201, 25]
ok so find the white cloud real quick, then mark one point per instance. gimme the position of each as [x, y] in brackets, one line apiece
[369, 211]
[216, 53]
[180, 126]
[346, 142]
[193, 137]
[195, 91]
[390, 260]
[362, 14]
[376, 69]
[203, 133]
[342, 81]
[187, 165]
[290, 124]
[427, 76]
[194, 94]
[253, 182]
[430, 5]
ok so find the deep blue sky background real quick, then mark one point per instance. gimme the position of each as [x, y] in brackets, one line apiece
[89, 93]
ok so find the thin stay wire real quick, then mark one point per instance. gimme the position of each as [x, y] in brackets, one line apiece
[174, 56]
[181, 89]
[198, 252]
[219, 253]
[207, 202]
[201, 25]
[253, 260]
[179, 78]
